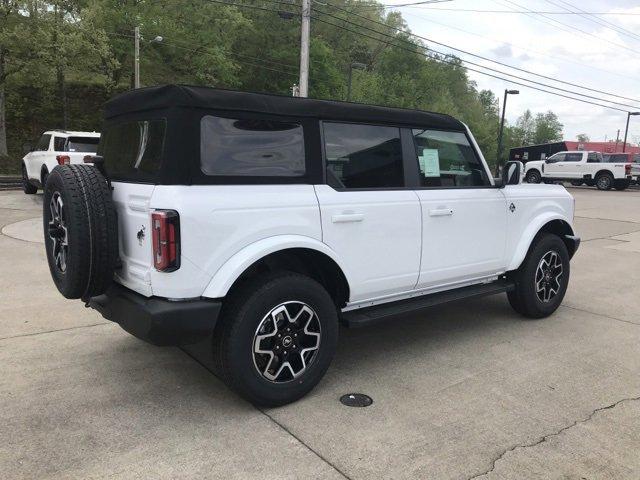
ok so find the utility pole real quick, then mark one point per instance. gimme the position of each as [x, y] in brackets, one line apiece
[617, 140]
[304, 49]
[136, 59]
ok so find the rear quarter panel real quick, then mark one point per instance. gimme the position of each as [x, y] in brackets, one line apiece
[534, 206]
[218, 221]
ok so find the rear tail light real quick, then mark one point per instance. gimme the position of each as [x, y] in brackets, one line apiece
[165, 225]
[627, 169]
[63, 159]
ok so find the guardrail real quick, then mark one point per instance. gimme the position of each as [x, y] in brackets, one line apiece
[10, 182]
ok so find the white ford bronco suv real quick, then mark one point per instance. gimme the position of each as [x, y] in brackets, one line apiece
[581, 167]
[260, 222]
[55, 147]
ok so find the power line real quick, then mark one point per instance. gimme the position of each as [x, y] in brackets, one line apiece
[471, 69]
[593, 18]
[477, 10]
[574, 29]
[542, 54]
[487, 59]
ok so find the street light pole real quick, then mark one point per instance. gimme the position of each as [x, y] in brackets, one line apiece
[303, 85]
[626, 130]
[136, 57]
[504, 108]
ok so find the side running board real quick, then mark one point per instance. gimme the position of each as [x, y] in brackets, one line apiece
[370, 315]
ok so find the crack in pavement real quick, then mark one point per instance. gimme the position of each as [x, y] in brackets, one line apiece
[53, 331]
[550, 435]
[598, 314]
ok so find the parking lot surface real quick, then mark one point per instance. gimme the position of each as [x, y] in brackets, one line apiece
[462, 391]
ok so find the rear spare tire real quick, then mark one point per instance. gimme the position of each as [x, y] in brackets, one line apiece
[80, 230]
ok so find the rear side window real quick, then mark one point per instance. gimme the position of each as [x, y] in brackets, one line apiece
[573, 157]
[59, 144]
[595, 157]
[615, 158]
[133, 150]
[251, 147]
[363, 156]
[83, 144]
[43, 143]
[446, 159]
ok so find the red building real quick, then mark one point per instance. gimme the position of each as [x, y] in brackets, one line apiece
[540, 152]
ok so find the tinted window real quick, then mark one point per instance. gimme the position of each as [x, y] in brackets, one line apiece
[363, 156]
[58, 144]
[558, 157]
[133, 150]
[573, 157]
[43, 143]
[595, 157]
[636, 158]
[616, 158]
[83, 144]
[251, 147]
[446, 159]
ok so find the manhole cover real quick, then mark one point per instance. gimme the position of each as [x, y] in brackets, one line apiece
[356, 400]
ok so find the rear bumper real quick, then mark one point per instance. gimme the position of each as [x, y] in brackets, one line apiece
[157, 320]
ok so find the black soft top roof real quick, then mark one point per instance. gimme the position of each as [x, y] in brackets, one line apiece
[168, 96]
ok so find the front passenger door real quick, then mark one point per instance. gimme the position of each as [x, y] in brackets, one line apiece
[463, 215]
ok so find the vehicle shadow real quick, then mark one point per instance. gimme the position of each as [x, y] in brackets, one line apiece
[401, 340]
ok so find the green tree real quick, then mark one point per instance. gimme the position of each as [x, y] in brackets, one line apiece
[547, 128]
[582, 137]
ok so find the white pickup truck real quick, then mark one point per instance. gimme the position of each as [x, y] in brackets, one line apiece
[580, 167]
[55, 147]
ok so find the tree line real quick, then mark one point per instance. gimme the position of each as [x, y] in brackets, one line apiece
[60, 61]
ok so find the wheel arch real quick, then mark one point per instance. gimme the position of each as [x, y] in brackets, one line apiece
[603, 172]
[44, 169]
[554, 224]
[309, 257]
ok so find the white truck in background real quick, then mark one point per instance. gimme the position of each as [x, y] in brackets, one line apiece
[580, 167]
[55, 147]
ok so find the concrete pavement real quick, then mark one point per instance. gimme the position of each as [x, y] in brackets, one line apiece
[460, 391]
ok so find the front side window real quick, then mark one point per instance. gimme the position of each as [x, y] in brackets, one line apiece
[363, 156]
[558, 157]
[446, 159]
[133, 150]
[251, 147]
[43, 143]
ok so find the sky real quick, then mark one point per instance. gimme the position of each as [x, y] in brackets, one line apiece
[578, 50]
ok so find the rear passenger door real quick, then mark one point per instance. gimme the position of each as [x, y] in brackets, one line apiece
[463, 215]
[370, 218]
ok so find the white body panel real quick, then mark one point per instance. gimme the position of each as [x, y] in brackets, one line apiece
[377, 234]
[464, 232]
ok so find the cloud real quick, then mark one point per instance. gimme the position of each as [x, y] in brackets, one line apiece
[503, 51]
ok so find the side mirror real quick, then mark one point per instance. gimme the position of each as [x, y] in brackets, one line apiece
[512, 173]
[26, 148]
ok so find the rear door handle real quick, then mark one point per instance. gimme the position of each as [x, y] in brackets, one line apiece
[347, 217]
[440, 212]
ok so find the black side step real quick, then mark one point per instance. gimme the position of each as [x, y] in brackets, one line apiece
[369, 315]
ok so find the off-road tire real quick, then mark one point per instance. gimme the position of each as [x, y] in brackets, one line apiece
[92, 231]
[524, 298]
[533, 176]
[27, 186]
[604, 181]
[243, 311]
